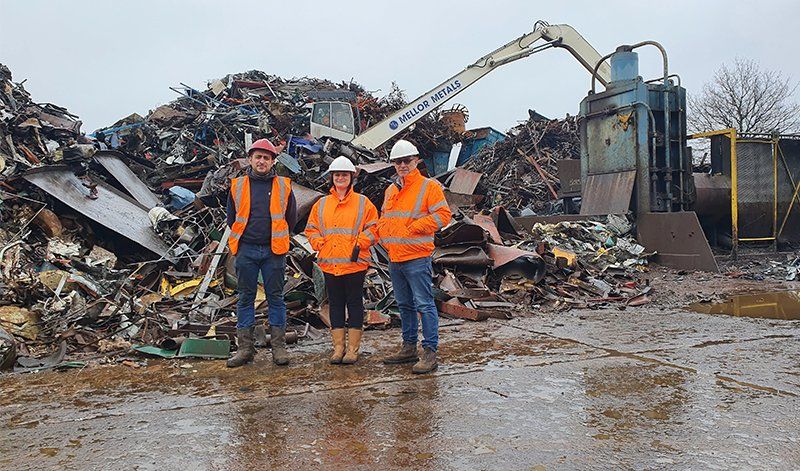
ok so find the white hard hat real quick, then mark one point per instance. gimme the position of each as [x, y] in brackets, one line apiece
[342, 164]
[403, 148]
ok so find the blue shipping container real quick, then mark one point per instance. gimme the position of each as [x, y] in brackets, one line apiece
[476, 139]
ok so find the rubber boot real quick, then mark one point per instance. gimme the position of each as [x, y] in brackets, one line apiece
[337, 337]
[246, 351]
[427, 363]
[353, 343]
[407, 354]
[278, 342]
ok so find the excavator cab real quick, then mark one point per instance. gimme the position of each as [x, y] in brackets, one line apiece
[332, 119]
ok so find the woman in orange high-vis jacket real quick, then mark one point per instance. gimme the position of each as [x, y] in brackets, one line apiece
[341, 229]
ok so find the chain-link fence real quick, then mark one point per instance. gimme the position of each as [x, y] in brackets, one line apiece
[764, 178]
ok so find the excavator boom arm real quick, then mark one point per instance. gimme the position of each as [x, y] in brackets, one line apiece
[563, 36]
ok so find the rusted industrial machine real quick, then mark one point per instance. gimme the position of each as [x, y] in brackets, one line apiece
[634, 158]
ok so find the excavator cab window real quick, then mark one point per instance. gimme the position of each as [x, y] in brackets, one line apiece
[322, 114]
[342, 117]
[332, 119]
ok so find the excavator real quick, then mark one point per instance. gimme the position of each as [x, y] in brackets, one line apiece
[336, 119]
[634, 154]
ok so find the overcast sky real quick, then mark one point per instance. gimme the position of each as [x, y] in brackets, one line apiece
[106, 59]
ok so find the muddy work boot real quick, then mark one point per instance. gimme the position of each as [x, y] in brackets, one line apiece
[407, 354]
[353, 344]
[337, 337]
[427, 363]
[246, 350]
[278, 342]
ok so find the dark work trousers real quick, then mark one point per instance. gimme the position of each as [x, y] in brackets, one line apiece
[252, 260]
[346, 290]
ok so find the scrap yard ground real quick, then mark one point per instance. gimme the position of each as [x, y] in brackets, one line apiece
[655, 387]
[566, 342]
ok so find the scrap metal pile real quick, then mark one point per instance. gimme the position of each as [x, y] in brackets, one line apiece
[591, 263]
[118, 239]
[520, 171]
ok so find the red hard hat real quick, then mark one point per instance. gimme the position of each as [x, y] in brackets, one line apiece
[263, 144]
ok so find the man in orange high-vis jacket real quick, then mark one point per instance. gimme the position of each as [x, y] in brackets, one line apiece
[261, 211]
[414, 208]
[339, 229]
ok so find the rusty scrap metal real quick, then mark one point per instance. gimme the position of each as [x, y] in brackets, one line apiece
[113, 162]
[456, 309]
[79, 278]
[110, 208]
[519, 173]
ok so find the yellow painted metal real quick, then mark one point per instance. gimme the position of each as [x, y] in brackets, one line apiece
[189, 287]
[732, 135]
[722, 132]
[734, 193]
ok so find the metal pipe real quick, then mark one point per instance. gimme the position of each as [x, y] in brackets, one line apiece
[676, 76]
[665, 79]
[775, 193]
[597, 66]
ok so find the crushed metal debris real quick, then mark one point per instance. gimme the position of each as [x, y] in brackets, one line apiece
[114, 242]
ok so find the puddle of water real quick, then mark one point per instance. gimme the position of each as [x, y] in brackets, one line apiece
[777, 305]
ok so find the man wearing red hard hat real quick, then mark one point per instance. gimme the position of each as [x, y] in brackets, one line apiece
[261, 212]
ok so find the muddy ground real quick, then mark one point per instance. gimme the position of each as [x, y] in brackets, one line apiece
[650, 387]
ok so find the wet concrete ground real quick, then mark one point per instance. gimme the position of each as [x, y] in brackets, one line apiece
[644, 388]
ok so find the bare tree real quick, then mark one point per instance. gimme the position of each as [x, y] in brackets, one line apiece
[747, 98]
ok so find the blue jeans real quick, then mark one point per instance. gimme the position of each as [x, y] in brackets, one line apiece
[413, 289]
[251, 260]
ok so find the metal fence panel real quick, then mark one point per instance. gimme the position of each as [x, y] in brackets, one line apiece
[755, 188]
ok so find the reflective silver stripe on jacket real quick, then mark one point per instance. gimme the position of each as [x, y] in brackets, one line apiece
[362, 201]
[237, 195]
[408, 240]
[438, 205]
[281, 200]
[342, 260]
[397, 214]
[321, 213]
[334, 260]
[421, 196]
[439, 222]
[338, 230]
[417, 212]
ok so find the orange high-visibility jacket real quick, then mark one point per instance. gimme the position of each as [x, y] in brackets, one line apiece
[335, 227]
[412, 213]
[279, 200]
